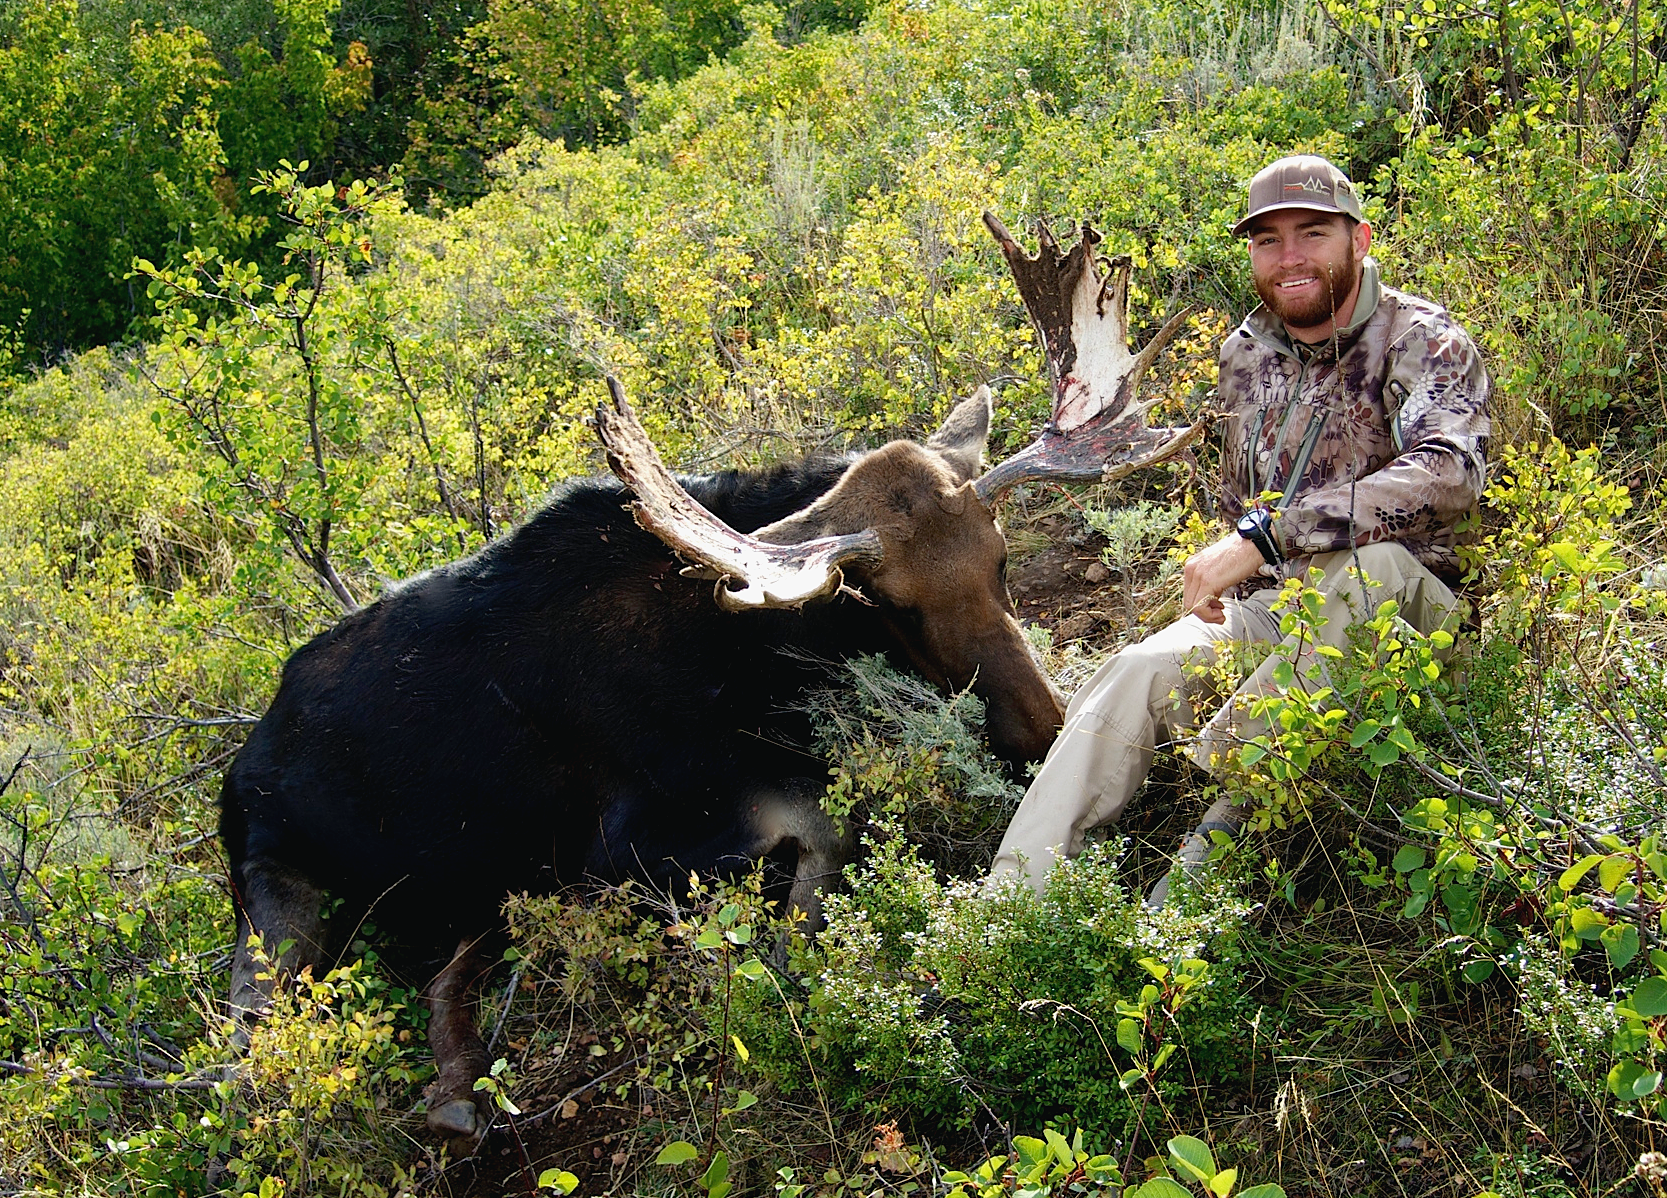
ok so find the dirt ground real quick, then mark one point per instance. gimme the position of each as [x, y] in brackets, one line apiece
[1065, 587]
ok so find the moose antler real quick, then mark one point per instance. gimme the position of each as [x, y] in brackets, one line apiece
[1097, 431]
[772, 575]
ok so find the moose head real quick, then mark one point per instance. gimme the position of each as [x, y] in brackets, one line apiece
[910, 526]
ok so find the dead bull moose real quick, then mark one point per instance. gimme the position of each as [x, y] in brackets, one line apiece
[567, 702]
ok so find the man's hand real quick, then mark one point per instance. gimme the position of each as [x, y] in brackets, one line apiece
[1212, 570]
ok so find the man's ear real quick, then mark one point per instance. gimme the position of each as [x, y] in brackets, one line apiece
[1362, 239]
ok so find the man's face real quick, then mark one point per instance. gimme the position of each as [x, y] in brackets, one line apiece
[1306, 264]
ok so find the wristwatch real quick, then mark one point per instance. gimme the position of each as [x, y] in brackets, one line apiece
[1256, 526]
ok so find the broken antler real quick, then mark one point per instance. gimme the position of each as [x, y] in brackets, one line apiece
[771, 575]
[1097, 431]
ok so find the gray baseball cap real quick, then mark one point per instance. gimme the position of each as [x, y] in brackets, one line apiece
[1300, 181]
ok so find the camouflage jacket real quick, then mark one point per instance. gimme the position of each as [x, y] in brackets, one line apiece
[1379, 434]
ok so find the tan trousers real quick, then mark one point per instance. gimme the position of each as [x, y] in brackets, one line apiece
[1143, 696]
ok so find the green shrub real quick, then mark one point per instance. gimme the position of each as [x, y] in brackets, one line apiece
[1077, 1006]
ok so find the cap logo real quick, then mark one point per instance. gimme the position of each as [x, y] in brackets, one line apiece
[1308, 184]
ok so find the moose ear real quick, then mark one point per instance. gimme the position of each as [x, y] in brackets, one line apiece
[960, 442]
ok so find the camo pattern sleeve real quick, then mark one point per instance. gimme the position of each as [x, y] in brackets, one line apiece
[1430, 394]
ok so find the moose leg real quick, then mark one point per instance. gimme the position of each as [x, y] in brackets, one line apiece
[454, 1109]
[796, 817]
[285, 909]
[782, 822]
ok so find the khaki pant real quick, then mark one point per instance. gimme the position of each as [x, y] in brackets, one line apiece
[1142, 696]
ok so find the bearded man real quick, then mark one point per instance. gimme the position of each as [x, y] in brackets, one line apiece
[1355, 437]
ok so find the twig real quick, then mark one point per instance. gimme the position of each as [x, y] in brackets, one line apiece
[591, 1084]
[178, 721]
[1366, 52]
[422, 430]
[503, 1014]
[24, 913]
[104, 1038]
[98, 1081]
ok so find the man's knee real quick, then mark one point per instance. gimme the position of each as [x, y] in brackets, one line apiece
[1388, 562]
[1368, 576]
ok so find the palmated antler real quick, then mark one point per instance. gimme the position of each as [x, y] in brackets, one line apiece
[1097, 431]
[771, 575]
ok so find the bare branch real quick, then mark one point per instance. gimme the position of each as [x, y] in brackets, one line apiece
[422, 431]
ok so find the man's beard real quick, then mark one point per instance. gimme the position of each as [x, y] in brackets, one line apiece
[1317, 310]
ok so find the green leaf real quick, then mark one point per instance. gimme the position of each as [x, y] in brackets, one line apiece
[1129, 1035]
[753, 969]
[1410, 857]
[1587, 923]
[1221, 1184]
[1060, 1146]
[678, 1152]
[1384, 753]
[1479, 970]
[1032, 1152]
[1103, 1170]
[1162, 1187]
[1614, 870]
[1629, 1080]
[1568, 555]
[1192, 1158]
[1650, 999]
[717, 1172]
[743, 1100]
[1266, 1190]
[1363, 732]
[1572, 875]
[1620, 941]
[558, 1179]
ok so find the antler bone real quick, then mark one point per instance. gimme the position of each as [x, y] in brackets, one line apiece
[772, 575]
[1096, 431]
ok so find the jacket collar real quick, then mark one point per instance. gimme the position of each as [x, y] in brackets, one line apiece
[1270, 330]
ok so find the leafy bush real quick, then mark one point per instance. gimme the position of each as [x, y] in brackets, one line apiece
[956, 998]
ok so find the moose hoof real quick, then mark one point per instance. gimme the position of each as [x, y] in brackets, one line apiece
[455, 1118]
